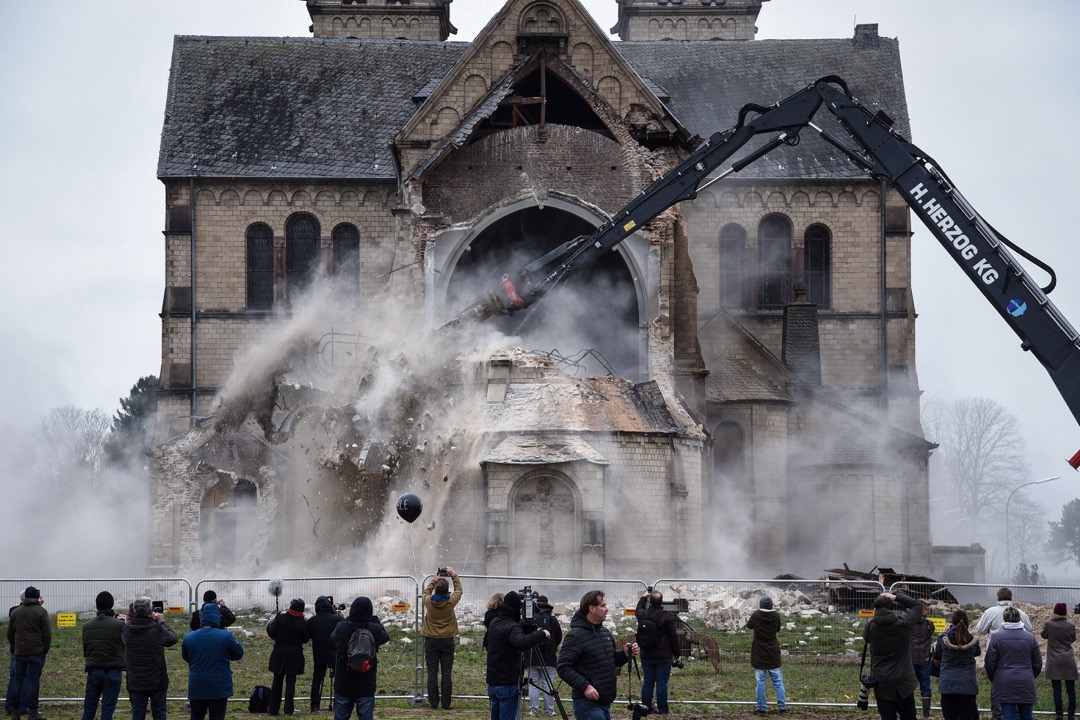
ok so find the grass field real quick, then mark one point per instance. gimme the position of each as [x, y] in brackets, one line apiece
[818, 684]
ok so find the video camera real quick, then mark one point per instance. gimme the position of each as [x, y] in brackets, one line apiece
[528, 608]
[340, 607]
[639, 710]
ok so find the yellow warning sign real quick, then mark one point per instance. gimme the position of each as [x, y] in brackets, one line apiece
[939, 623]
[866, 613]
[628, 611]
[175, 610]
[65, 619]
[629, 226]
[400, 607]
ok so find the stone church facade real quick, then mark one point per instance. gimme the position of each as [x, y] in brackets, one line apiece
[762, 413]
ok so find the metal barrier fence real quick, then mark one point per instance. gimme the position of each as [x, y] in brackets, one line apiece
[821, 627]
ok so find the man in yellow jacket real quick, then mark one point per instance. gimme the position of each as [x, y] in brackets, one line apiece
[439, 629]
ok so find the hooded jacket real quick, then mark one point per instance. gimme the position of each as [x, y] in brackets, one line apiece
[439, 618]
[667, 635]
[1013, 661]
[346, 682]
[765, 648]
[208, 652]
[226, 616]
[28, 630]
[588, 657]
[548, 653]
[957, 675]
[506, 641]
[889, 635]
[320, 627]
[145, 640]
[289, 633]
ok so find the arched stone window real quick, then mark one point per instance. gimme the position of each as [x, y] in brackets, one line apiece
[301, 253]
[774, 258]
[816, 256]
[346, 243]
[260, 267]
[732, 266]
[545, 537]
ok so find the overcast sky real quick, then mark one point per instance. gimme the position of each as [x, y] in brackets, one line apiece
[991, 90]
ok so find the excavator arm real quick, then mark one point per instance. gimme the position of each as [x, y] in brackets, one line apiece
[976, 247]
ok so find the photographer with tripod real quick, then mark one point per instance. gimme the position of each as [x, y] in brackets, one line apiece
[506, 640]
[588, 661]
[541, 660]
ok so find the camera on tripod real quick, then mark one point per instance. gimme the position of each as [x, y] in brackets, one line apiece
[528, 608]
[639, 710]
[336, 606]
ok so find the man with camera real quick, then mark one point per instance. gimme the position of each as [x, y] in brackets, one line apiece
[506, 640]
[439, 630]
[589, 663]
[891, 676]
[658, 639]
[320, 627]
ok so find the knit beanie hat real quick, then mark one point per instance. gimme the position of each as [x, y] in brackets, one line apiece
[32, 593]
[104, 601]
[1061, 609]
[211, 615]
[513, 600]
[765, 603]
[296, 604]
[209, 596]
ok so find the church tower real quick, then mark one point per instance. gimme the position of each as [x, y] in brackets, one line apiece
[381, 19]
[687, 19]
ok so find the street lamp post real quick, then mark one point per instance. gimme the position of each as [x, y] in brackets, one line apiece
[1008, 542]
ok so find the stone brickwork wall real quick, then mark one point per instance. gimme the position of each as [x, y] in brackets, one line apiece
[675, 20]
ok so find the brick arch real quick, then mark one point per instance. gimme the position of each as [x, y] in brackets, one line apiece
[542, 17]
[445, 120]
[611, 88]
[253, 197]
[325, 197]
[233, 509]
[476, 87]
[545, 524]
[502, 54]
[870, 198]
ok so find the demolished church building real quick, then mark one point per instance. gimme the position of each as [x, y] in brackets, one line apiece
[678, 409]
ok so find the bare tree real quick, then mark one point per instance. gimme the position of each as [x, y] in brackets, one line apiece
[71, 446]
[981, 455]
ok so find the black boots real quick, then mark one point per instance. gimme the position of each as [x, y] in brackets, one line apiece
[926, 707]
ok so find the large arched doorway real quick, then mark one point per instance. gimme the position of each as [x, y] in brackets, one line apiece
[545, 528]
[228, 525]
[595, 309]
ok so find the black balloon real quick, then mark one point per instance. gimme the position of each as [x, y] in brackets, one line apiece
[409, 507]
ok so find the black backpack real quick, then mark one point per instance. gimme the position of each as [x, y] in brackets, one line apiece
[648, 633]
[259, 702]
[361, 651]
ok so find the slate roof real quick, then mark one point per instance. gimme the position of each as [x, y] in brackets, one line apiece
[323, 108]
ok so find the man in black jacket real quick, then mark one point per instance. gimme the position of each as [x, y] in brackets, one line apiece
[146, 635]
[321, 626]
[588, 661]
[353, 689]
[227, 616]
[506, 640]
[657, 657]
[103, 651]
[889, 635]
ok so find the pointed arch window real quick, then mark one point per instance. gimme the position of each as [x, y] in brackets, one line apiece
[732, 266]
[260, 267]
[816, 251]
[346, 246]
[301, 253]
[774, 258]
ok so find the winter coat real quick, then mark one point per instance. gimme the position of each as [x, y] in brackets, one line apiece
[227, 617]
[145, 640]
[765, 648]
[588, 657]
[991, 621]
[320, 627]
[208, 652]
[889, 635]
[506, 641]
[1013, 661]
[28, 630]
[922, 642]
[103, 642]
[957, 664]
[289, 633]
[1060, 635]
[667, 631]
[348, 683]
[439, 618]
[549, 648]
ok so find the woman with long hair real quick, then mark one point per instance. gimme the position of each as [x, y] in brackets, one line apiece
[955, 654]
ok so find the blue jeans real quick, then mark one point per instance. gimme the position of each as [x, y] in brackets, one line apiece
[343, 707]
[1016, 711]
[776, 676]
[103, 685]
[503, 700]
[27, 682]
[656, 673]
[9, 698]
[922, 672]
[139, 701]
[588, 710]
[542, 676]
